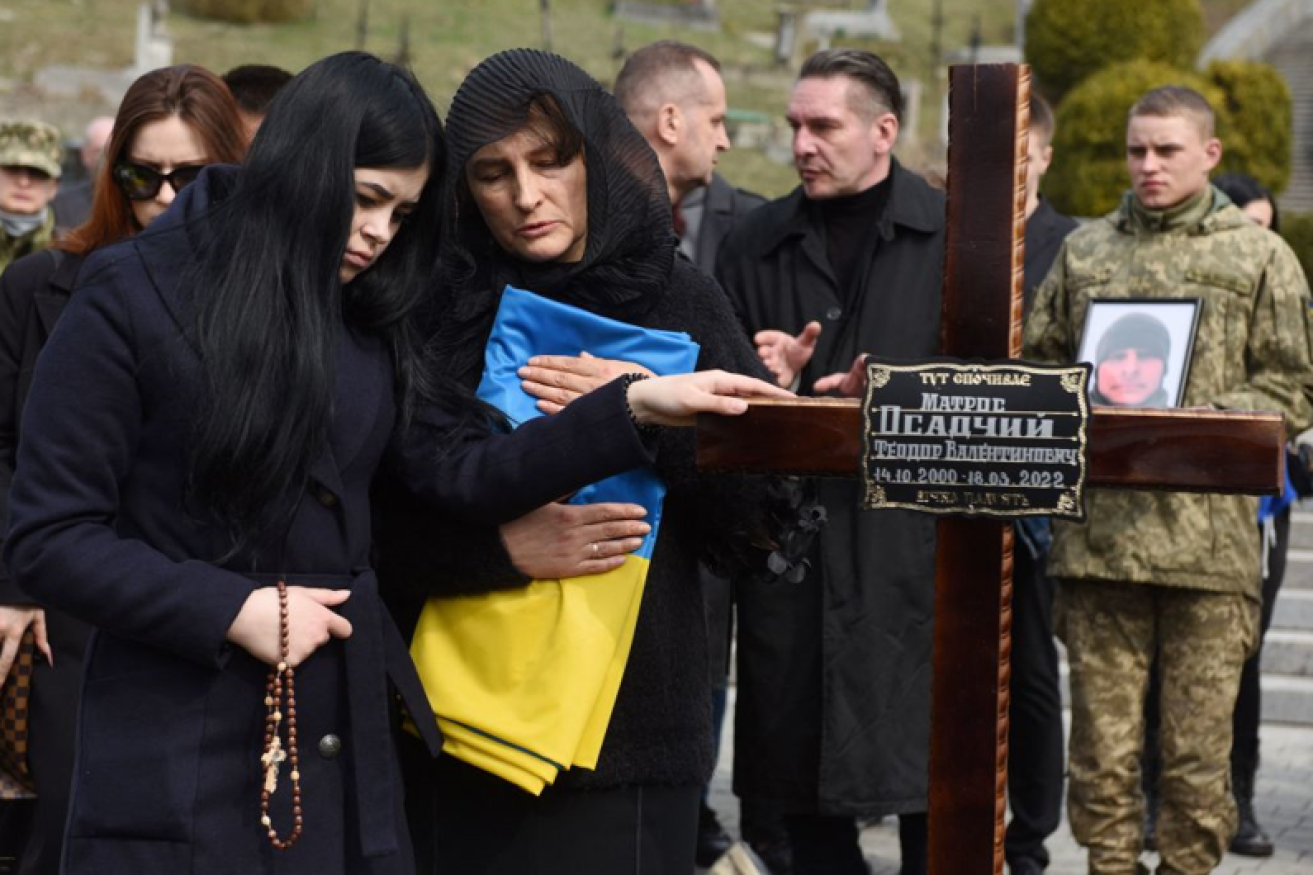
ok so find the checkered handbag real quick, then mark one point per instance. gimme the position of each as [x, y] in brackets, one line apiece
[15, 695]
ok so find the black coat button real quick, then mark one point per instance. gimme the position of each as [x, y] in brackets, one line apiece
[326, 497]
[833, 314]
[330, 746]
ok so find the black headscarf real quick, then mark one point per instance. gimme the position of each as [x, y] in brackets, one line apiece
[631, 245]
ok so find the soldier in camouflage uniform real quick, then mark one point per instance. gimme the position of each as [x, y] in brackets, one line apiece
[1169, 573]
[30, 154]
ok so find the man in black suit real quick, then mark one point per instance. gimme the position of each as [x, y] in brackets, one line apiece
[674, 95]
[1046, 228]
[1035, 761]
[709, 214]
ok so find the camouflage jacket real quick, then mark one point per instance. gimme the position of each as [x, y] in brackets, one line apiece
[14, 248]
[1253, 350]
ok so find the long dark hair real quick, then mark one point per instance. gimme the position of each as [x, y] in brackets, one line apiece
[191, 93]
[1243, 189]
[269, 303]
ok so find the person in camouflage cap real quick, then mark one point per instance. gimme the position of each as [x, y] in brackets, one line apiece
[30, 154]
[1169, 574]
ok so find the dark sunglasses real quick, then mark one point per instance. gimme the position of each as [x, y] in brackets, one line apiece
[140, 183]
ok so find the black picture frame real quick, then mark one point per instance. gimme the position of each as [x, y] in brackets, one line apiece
[1134, 332]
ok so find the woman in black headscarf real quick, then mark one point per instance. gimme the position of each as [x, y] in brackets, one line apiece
[554, 191]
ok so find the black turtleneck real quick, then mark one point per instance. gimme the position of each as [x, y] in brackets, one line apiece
[852, 233]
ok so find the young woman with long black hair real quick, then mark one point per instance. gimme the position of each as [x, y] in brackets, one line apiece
[193, 479]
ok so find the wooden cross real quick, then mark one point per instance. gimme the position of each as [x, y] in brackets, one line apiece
[1221, 452]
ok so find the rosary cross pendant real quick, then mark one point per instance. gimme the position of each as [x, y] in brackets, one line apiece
[271, 760]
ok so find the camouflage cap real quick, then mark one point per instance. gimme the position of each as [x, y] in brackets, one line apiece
[31, 144]
[1138, 331]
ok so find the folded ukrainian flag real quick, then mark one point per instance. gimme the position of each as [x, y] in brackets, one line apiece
[523, 682]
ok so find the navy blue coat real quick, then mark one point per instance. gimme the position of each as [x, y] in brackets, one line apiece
[171, 727]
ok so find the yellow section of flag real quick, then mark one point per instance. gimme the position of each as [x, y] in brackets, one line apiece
[524, 681]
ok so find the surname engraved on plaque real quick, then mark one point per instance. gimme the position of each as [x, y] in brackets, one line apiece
[1004, 439]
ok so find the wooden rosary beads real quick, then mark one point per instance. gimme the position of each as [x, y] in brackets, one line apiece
[281, 687]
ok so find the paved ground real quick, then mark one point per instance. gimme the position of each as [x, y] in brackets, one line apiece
[1284, 802]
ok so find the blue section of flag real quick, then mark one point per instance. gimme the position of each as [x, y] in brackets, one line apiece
[1271, 505]
[529, 325]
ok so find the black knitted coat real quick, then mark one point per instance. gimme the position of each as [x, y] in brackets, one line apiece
[660, 732]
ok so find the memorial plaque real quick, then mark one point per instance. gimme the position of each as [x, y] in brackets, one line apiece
[976, 439]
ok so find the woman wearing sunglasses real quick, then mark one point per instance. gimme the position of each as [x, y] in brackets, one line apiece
[171, 123]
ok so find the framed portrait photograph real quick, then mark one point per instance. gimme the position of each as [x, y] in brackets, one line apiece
[1140, 350]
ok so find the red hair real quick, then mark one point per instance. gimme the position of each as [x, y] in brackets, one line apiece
[191, 93]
